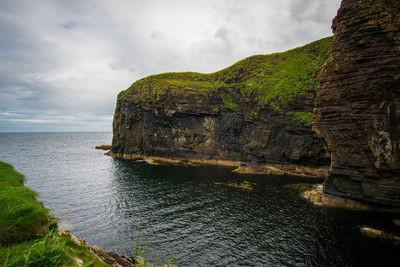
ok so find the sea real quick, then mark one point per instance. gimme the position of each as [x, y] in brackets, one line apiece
[194, 216]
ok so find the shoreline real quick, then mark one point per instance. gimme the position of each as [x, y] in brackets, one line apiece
[240, 167]
[43, 243]
[111, 258]
[315, 196]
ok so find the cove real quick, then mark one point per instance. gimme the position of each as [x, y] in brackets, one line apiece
[193, 209]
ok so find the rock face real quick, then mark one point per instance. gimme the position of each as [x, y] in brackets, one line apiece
[258, 111]
[357, 110]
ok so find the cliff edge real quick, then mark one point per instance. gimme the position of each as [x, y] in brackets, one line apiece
[357, 109]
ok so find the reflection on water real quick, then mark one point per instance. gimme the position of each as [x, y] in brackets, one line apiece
[191, 208]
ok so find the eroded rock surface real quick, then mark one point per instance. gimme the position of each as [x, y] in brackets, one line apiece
[256, 111]
[357, 109]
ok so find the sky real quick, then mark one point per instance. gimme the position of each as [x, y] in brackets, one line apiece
[63, 63]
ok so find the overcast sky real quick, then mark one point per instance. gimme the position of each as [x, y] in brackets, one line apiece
[64, 62]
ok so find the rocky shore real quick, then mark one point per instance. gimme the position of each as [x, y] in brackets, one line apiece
[111, 258]
[380, 234]
[317, 196]
[239, 167]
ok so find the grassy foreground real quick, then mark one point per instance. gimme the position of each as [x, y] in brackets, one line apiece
[28, 235]
[21, 216]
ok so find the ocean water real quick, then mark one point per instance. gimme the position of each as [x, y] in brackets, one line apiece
[105, 200]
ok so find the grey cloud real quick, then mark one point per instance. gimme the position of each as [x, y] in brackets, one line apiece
[318, 11]
[156, 35]
[64, 62]
[222, 33]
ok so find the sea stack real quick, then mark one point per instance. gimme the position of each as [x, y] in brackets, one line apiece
[357, 109]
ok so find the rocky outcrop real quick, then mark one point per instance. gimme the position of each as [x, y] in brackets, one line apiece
[103, 147]
[110, 258]
[256, 111]
[357, 110]
[379, 234]
[317, 197]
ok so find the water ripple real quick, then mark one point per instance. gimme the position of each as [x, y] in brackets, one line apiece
[107, 200]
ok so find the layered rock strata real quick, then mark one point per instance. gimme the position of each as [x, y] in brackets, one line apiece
[256, 111]
[357, 110]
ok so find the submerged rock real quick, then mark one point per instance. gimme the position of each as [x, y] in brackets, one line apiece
[375, 233]
[243, 185]
[299, 186]
[104, 147]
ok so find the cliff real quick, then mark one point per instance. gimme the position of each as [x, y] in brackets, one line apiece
[357, 110]
[257, 111]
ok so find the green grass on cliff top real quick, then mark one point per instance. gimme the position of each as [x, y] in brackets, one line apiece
[20, 213]
[273, 79]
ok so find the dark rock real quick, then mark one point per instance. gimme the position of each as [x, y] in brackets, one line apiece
[121, 260]
[379, 234]
[221, 116]
[317, 196]
[104, 147]
[357, 109]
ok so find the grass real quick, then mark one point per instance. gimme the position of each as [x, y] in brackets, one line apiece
[305, 117]
[267, 131]
[21, 215]
[285, 75]
[46, 251]
[375, 5]
[28, 233]
[52, 249]
[229, 103]
[142, 250]
[272, 80]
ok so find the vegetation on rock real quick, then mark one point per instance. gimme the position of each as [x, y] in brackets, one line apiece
[378, 4]
[21, 215]
[272, 80]
[259, 110]
[52, 249]
[28, 235]
[305, 117]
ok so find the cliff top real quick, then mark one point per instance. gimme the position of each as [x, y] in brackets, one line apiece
[274, 78]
